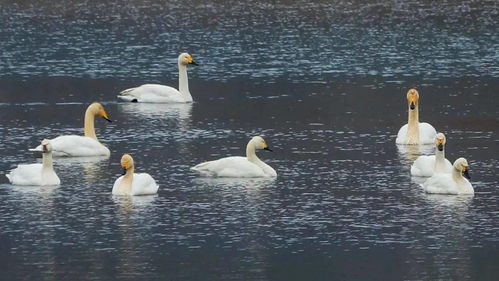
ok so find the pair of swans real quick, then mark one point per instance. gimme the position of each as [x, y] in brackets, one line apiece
[444, 177]
[132, 183]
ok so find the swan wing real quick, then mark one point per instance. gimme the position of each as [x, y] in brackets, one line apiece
[153, 93]
[423, 166]
[229, 167]
[426, 133]
[401, 135]
[441, 183]
[144, 184]
[76, 146]
[29, 174]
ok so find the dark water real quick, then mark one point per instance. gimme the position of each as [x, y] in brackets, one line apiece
[324, 83]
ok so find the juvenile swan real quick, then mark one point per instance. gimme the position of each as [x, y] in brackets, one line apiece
[453, 183]
[163, 94]
[131, 183]
[36, 174]
[88, 145]
[239, 167]
[414, 132]
[426, 165]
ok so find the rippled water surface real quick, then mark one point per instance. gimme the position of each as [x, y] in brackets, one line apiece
[324, 83]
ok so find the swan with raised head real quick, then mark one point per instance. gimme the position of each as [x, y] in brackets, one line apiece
[415, 132]
[131, 183]
[36, 174]
[156, 93]
[453, 183]
[78, 146]
[426, 165]
[237, 166]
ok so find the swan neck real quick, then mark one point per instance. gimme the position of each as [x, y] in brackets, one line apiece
[126, 182]
[47, 162]
[251, 153]
[456, 174]
[413, 126]
[89, 124]
[183, 82]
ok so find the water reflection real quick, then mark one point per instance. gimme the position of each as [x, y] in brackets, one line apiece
[180, 111]
[91, 166]
[127, 204]
[409, 153]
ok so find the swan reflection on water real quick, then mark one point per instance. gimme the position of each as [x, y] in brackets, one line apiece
[91, 166]
[128, 203]
[409, 153]
[180, 111]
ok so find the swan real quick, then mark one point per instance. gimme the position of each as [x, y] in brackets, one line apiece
[156, 93]
[36, 174]
[414, 132]
[239, 167]
[131, 183]
[454, 183]
[77, 146]
[426, 165]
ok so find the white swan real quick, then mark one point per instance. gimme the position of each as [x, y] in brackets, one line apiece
[239, 167]
[77, 146]
[131, 183]
[36, 174]
[160, 93]
[414, 132]
[454, 183]
[426, 165]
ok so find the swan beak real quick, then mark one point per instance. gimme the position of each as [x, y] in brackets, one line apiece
[44, 149]
[123, 172]
[267, 148]
[466, 174]
[440, 147]
[412, 106]
[104, 115]
[193, 63]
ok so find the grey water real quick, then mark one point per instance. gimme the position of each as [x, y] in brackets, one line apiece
[323, 82]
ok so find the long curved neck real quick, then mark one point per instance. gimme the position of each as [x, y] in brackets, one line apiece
[126, 182]
[456, 174]
[251, 154]
[89, 124]
[183, 82]
[413, 126]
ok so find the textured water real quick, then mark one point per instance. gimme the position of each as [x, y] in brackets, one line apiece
[324, 83]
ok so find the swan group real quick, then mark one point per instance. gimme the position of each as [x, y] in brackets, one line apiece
[444, 177]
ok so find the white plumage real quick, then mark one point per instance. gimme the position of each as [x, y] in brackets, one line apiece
[426, 165]
[131, 183]
[454, 183]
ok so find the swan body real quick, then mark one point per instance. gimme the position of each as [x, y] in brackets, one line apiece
[239, 167]
[155, 93]
[36, 174]
[453, 183]
[426, 165]
[415, 132]
[80, 146]
[131, 183]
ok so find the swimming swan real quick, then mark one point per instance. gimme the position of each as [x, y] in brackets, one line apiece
[414, 132]
[131, 183]
[88, 145]
[426, 165]
[36, 174]
[239, 167]
[454, 183]
[160, 93]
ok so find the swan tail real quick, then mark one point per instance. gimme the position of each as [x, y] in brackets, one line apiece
[8, 176]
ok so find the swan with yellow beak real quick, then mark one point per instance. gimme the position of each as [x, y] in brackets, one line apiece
[79, 146]
[131, 183]
[415, 132]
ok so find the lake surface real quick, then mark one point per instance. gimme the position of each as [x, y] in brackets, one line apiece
[323, 83]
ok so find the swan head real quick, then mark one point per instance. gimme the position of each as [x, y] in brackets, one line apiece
[461, 164]
[259, 143]
[98, 110]
[126, 162]
[186, 59]
[412, 98]
[46, 146]
[440, 141]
